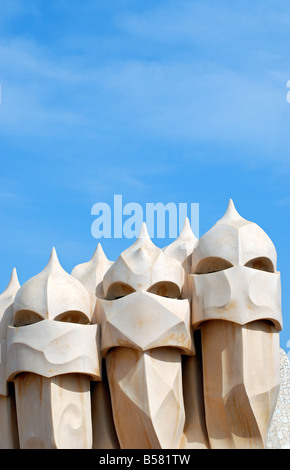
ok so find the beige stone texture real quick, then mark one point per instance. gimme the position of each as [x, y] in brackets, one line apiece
[146, 393]
[194, 431]
[51, 412]
[239, 396]
[104, 431]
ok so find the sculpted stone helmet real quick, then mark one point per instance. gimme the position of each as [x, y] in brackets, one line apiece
[52, 294]
[144, 279]
[234, 273]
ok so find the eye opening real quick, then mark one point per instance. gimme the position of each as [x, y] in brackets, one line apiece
[211, 265]
[262, 264]
[117, 290]
[73, 316]
[26, 317]
[165, 289]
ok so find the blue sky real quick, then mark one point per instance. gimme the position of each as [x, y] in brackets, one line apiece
[159, 101]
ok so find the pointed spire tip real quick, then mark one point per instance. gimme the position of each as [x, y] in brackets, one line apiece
[231, 215]
[187, 232]
[53, 251]
[13, 284]
[53, 258]
[14, 277]
[99, 253]
[232, 208]
[143, 231]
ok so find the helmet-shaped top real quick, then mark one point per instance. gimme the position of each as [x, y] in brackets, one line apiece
[233, 241]
[52, 294]
[142, 266]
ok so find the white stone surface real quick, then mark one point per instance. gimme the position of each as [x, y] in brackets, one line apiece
[50, 348]
[145, 321]
[238, 294]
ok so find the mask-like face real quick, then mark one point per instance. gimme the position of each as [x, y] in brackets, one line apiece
[234, 274]
[144, 321]
[143, 308]
[238, 294]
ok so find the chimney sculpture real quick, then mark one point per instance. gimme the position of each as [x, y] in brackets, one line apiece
[236, 305]
[145, 330]
[52, 355]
